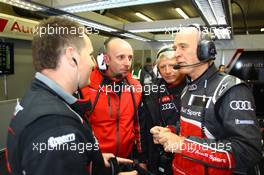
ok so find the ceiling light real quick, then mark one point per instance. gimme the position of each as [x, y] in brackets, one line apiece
[212, 11]
[106, 4]
[24, 5]
[135, 37]
[92, 24]
[148, 30]
[179, 10]
[166, 30]
[166, 40]
[262, 29]
[143, 17]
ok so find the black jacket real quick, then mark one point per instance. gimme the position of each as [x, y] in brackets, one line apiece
[48, 136]
[160, 107]
[219, 123]
[147, 75]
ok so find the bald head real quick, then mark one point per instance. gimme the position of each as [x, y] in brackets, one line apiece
[118, 58]
[114, 43]
[190, 33]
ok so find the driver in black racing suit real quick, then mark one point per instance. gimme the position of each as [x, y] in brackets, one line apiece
[219, 134]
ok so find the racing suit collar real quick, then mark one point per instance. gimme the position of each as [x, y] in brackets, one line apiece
[56, 88]
[192, 85]
[81, 106]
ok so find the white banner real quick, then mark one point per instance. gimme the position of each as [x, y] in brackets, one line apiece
[16, 27]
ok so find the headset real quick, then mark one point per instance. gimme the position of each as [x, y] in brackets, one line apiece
[74, 60]
[101, 62]
[167, 48]
[78, 92]
[102, 51]
[206, 49]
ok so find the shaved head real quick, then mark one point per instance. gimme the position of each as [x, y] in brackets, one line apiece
[118, 58]
[190, 33]
[113, 43]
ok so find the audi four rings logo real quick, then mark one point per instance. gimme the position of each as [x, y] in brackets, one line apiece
[241, 105]
[168, 106]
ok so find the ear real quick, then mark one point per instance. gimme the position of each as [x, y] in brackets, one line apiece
[106, 59]
[69, 53]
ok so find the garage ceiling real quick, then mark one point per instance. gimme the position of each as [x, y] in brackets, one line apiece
[253, 11]
[254, 15]
[157, 11]
[247, 19]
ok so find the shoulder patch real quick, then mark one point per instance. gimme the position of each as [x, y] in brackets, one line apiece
[18, 107]
[225, 84]
[55, 141]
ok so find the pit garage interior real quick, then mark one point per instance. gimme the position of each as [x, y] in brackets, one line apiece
[238, 27]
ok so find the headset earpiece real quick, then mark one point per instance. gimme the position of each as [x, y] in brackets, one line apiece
[74, 60]
[206, 49]
[101, 62]
[100, 59]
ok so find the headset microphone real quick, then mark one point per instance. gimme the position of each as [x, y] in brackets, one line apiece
[118, 76]
[178, 66]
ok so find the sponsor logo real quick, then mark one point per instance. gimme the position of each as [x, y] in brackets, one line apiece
[190, 112]
[165, 99]
[241, 105]
[192, 87]
[3, 23]
[223, 87]
[21, 28]
[244, 122]
[54, 141]
[18, 107]
[168, 106]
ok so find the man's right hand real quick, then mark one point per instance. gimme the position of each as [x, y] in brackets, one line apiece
[120, 160]
[156, 130]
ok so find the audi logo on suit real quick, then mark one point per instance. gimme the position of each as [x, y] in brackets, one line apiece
[241, 105]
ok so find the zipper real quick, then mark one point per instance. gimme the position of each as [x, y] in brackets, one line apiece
[117, 125]
[110, 107]
[117, 118]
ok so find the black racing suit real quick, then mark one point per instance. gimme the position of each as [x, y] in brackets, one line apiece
[48, 135]
[161, 107]
[219, 123]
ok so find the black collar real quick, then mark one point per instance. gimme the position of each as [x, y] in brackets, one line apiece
[193, 85]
